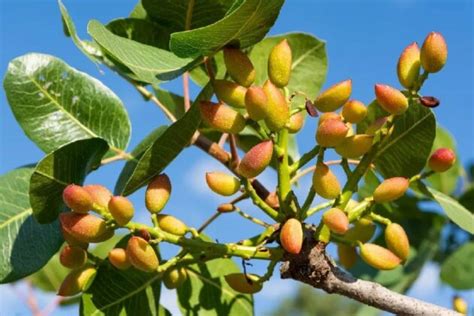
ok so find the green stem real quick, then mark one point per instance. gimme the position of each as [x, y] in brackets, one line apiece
[342, 240]
[259, 239]
[421, 81]
[345, 167]
[284, 186]
[210, 248]
[380, 219]
[257, 200]
[351, 185]
[269, 273]
[318, 208]
[251, 218]
[259, 129]
[307, 203]
[307, 157]
[357, 212]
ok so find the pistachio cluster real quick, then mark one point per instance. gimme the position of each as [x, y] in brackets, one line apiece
[268, 110]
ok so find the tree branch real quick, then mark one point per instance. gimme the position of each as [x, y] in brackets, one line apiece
[313, 266]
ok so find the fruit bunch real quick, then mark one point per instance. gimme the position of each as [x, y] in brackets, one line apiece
[267, 108]
[80, 227]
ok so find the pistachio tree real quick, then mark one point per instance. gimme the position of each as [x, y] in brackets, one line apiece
[256, 94]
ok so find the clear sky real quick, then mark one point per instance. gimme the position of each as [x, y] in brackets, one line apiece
[364, 39]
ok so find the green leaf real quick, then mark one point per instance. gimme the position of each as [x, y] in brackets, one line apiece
[445, 181]
[137, 153]
[126, 292]
[467, 199]
[374, 112]
[199, 74]
[245, 26]
[56, 104]
[68, 164]
[370, 184]
[26, 245]
[173, 13]
[142, 31]
[205, 292]
[172, 101]
[50, 277]
[457, 270]
[455, 211]
[405, 152]
[89, 49]
[148, 63]
[164, 149]
[309, 65]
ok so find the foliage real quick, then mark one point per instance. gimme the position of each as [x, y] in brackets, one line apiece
[81, 125]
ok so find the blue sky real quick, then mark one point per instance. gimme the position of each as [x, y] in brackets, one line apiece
[364, 39]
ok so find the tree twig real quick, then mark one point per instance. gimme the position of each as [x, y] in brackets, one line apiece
[313, 266]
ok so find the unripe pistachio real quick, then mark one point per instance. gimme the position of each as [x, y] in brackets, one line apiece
[171, 224]
[256, 103]
[376, 125]
[331, 133]
[230, 93]
[226, 208]
[71, 241]
[175, 277]
[347, 255]
[442, 159]
[118, 258]
[336, 220]
[279, 64]
[244, 283]
[391, 189]
[121, 209]
[434, 52]
[354, 111]
[73, 257]
[222, 117]
[291, 236]
[85, 227]
[325, 183]
[362, 231]
[222, 183]
[334, 97]
[408, 67]
[277, 110]
[355, 146]
[391, 99]
[256, 159]
[296, 122]
[460, 305]
[77, 198]
[239, 66]
[77, 281]
[329, 116]
[100, 195]
[141, 254]
[379, 257]
[397, 241]
[158, 193]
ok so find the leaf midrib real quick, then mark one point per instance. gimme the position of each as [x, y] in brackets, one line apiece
[24, 213]
[63, 109]
[403, 134]
[223, 289]
[302, 57]
[136, 291]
